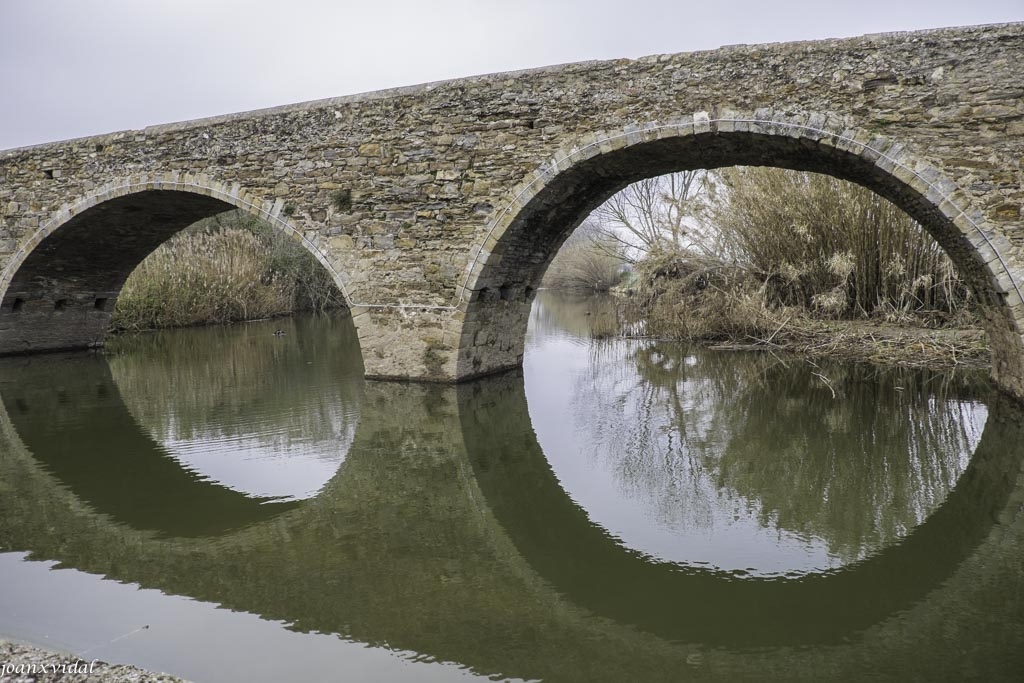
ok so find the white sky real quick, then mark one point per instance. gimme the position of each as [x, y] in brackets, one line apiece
[80, 67]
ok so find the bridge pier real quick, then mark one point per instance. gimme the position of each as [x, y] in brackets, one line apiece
[415, 344]
[33, 322]
[493, 334]
[445, 344]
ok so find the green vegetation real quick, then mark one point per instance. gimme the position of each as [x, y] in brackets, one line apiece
[226, 268]
[342, 200]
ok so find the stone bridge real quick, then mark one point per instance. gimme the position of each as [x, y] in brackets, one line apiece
[437, 208]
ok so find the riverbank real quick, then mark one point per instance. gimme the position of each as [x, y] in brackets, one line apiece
[21, 663]
[732, 311]
[872, 342]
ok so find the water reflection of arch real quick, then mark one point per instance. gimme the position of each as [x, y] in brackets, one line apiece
[692, 604]
[404, 549]
[333, 564]
[108, 460]
[105, 426]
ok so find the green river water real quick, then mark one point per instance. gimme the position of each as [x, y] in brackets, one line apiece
[618, 510]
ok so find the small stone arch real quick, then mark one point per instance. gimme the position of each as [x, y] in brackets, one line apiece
[58, 294]
[527, 229]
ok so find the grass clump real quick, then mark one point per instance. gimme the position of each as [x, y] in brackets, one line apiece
[227, 268]
[342, 200]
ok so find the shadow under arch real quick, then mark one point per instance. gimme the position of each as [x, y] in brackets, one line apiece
[525, 232]
[690, 604]
[108, 460]
[59, 290]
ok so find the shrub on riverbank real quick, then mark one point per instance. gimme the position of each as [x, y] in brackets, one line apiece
[813, 264]
[832, 247]
[227, 268]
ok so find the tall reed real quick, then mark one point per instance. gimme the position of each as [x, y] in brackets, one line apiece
[832, 247]
[223, 269]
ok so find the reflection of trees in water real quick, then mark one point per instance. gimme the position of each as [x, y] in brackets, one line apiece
[859, 470]
[581, 315]
[709, 437]
[243, 380]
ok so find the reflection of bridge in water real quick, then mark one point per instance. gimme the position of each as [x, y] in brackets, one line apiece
[445, 532]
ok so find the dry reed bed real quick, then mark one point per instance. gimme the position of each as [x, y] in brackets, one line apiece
[224, 269]
[878, 344]
[741, 317]
[815, 266]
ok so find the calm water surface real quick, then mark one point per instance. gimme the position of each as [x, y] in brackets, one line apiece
[618, 510]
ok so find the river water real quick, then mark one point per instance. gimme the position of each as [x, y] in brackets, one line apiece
[232, 504]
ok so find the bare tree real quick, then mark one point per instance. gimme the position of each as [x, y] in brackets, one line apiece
[587, 260]
[657, 214]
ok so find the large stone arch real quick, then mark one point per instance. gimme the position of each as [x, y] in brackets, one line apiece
[526, 230]
[59, 289]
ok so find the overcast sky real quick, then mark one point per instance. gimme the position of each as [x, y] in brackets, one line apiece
[80, 67]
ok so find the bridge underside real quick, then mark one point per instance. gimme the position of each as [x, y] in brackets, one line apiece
[63, 295]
